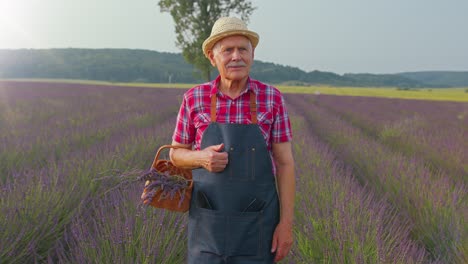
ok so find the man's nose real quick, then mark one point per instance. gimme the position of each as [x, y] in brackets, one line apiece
[236, 54]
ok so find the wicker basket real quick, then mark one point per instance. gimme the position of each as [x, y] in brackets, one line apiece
[164, 166]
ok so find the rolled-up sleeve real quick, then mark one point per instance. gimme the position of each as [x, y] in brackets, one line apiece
[184, 132]
[281, 129]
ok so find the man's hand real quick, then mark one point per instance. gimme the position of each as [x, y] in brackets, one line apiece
[282, 241]
[215, 159]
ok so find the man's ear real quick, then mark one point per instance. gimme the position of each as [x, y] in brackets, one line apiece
[211, 58]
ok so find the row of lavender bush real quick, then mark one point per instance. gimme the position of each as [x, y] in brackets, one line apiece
[340, 221]
[64, 146]
[431, 201]
[53, 204]
[43, 128]
[434, 131]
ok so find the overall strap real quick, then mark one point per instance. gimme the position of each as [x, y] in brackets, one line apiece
[253, 108]
[213, 108]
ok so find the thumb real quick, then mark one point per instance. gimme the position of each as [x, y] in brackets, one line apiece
[274, 244]
[219, 147]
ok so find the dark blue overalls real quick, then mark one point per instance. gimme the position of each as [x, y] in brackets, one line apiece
[233, 213]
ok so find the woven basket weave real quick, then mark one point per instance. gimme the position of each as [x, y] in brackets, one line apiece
[166, 166]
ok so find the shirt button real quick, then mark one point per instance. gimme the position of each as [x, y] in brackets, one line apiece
[232, 102]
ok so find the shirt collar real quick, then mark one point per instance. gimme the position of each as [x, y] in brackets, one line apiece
[251, 85]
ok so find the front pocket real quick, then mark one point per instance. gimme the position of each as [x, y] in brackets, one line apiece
[211, 231]
[235, 234]
[244, 234]
[240, 166]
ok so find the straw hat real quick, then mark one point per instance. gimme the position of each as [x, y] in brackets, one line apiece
[225, 27]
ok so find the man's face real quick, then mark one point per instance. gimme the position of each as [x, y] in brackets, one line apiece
[233, 57]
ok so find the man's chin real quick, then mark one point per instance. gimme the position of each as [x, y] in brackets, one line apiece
[237, 76]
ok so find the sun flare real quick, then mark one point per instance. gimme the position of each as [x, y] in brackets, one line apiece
[13, 16]
[11, 11]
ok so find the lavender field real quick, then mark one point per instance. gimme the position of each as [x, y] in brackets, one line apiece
[379, 180]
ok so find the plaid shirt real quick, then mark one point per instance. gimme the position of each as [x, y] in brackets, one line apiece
[194, 114]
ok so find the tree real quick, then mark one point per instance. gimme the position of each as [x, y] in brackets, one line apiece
[193, 21]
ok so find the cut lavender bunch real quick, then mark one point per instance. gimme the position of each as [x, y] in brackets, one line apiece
[165, 184]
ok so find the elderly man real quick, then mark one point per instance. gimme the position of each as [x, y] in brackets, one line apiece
[237, 138]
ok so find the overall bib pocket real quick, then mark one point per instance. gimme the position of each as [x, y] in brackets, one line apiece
[241, 164]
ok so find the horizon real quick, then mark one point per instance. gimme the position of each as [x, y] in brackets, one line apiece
[358, 37]
[263, 61]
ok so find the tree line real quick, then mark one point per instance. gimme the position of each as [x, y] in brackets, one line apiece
[131, 65]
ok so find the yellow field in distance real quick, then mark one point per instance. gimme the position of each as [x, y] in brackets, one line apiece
[440, 94]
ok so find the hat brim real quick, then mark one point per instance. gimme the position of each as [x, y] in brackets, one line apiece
[211, 41]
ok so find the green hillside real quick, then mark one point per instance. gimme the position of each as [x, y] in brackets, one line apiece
[128, 65]
[441, 78]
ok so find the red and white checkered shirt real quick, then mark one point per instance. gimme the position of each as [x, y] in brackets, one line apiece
[194, 114]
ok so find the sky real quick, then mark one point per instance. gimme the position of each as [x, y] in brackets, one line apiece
[341, 36]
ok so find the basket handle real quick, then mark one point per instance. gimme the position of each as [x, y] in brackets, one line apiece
[156, 158]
